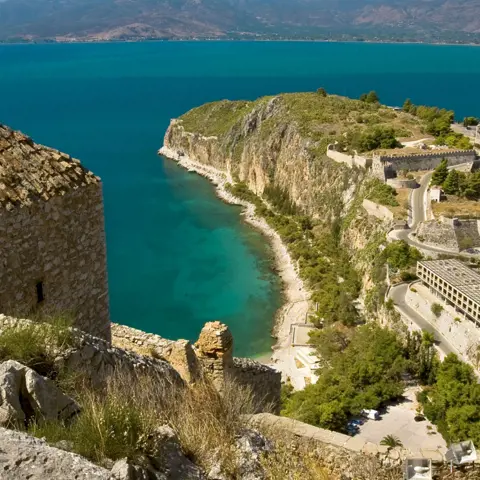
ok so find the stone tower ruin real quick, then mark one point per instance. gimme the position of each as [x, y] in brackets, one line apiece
[52, 236]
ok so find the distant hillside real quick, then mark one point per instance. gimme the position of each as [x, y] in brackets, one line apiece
[64, 20]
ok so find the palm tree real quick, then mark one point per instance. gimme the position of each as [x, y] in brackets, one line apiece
[391, 441]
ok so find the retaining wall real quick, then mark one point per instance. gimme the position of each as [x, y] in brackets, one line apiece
[343, 445]
[462, 335]
[402, 183]
[379, 211]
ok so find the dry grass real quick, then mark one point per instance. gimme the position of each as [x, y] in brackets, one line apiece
[121, 420]
[456, 207]
[36, 344]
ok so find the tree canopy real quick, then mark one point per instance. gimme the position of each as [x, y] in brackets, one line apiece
[440, 173]
[365, 374]
[453, 402]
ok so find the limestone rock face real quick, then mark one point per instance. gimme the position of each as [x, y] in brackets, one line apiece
[167, 461]
[266, 148]
[24, 457]
[24, 394]
[249, 447]
[122, 470]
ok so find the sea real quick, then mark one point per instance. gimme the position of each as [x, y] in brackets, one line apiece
[177, 256]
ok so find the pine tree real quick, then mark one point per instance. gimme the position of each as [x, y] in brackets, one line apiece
[407, 106]
[440, 173]
[452, 183]
[372, 97]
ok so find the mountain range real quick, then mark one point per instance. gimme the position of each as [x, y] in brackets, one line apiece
[402, 20]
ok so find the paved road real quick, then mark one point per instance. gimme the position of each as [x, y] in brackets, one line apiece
[417, 201]
[397, 294]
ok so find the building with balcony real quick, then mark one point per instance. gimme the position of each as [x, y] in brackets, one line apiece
[455, 283]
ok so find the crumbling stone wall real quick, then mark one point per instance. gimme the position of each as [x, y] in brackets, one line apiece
[214, 351]
[57, 246]
[210, 357]
[96, 358]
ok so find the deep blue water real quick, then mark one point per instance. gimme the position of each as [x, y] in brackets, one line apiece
[177, 256]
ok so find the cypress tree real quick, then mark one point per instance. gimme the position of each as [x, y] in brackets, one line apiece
[440, 173]
[452, 183]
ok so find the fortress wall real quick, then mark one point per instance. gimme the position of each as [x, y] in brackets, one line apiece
[379, 211]
[340, 157]
[264, 382]
[388, 164]
[53, 259]
[350, 160]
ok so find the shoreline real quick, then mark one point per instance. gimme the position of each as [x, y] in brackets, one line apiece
[257, 40]
[296, 296]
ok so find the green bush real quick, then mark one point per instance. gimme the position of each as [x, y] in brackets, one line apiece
[399, 255]
[436, 309]
[381, 193]
[453, 402]
[36, 344]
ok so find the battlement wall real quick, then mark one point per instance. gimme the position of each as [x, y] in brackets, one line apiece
[386, 166]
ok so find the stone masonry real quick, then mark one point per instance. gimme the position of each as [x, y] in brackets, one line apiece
[214, 351]
[52, 238]
[387, 166]
[210, 357]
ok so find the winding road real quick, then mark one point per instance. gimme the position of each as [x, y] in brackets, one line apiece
[417, 214]
[397, 294]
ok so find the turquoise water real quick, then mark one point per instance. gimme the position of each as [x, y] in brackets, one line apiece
[177, 256]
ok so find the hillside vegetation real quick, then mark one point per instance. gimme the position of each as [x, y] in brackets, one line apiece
[355, 124]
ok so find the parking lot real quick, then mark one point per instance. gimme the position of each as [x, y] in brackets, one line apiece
[399, 421]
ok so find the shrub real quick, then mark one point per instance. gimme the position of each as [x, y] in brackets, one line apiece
[36, 344]
[381, 193]
[406, 276]
[436, 309]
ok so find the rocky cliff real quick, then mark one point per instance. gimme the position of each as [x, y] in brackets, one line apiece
[279, 143]
[271, 142]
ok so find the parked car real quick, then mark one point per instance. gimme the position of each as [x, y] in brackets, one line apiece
[371, 414]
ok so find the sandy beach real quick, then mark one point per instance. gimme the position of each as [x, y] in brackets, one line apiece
[296, 295]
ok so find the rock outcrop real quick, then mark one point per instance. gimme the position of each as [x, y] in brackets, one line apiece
[25, 396]
[23, 457]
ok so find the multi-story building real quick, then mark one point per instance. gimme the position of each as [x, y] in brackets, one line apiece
[454, 283]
